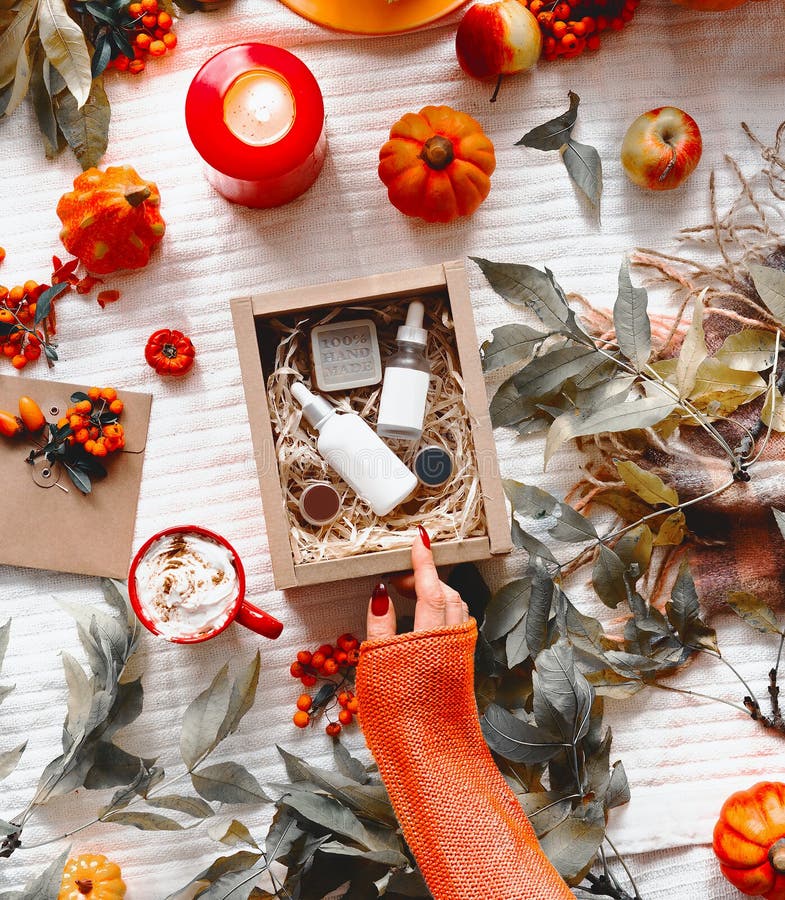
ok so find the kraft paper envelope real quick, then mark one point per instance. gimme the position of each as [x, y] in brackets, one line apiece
[90, 534]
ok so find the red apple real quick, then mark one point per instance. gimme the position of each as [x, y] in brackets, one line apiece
[710, 5]
[496, 38]
[661, 148]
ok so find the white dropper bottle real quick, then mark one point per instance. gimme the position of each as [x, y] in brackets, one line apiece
[407, 375]
[353, 449]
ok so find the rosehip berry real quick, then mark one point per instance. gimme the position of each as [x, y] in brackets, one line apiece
[157, 48]
[301, 719]
[304, 702]
[353, 657]
[318, 660]
[164, 21]
[340, 657]
[304, 657]
[19, 361]
[345, 717]
[170, 40]
[333, 729]
[150, 20]
[296, 670]
[308, 680]
[353, 705]
[343, 698]
[326, 650]
[330, 667]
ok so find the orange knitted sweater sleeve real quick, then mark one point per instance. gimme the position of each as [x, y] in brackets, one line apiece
[467, 831]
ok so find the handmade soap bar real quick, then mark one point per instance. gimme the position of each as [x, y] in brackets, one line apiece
[346, 355]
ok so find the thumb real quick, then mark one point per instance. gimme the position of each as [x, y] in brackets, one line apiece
[381, 614]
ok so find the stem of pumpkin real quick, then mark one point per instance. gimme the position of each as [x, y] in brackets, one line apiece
[437, 152]
[777, 856]
[137, 196]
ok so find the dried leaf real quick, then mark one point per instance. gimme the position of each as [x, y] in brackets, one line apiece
[647, 485]
[232, 834]
[779, 518]
[683, 611]
[534, 547]
[631, 320]
[348, 765]
[618, 793]
[608, 577]
[754, 612]
[614, 685]
[555, 133]
[508, 406]
[507, 608]
[545, 809]
[515, 739]
[693, 352]
[191, 806]
[584, 167]
[533, 502]
[634, 549]
[516, 647]
[642, 412]
[5, 634]
[585, 632]
[770, 285]
[13, 36]
[672, 531]
[86, 128]
[572, 846]
[540, 602]
[237, 885]
[204, 719]
[719, 391]
[22, 75]
[773, 413]
[548, 372]
[10, 760]
[46, 886]
[66, 48]
[112, 766]
[331, 815]
[750, 350]
[510, 344]
[242, 698]
[562, 695]
[228, 782]
[143, 821]
[241, 862]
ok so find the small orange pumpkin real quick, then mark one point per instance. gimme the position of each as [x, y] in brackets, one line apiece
[437, 164]
[91, 876]
[111, 220]
[749, 840]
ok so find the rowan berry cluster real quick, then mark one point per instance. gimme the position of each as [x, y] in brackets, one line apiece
[150, 33]
[570, 27]
[334, 667]
[20, 342]
[93, 421]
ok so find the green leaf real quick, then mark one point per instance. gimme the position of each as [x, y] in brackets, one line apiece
[754, 612]
[631, 320]
[647, 485]
[79, 478]
[750, 350]
[572, 846]
[86, 127]
[584, 167]
[10, 760]
[553, 134]
[515, 739]
[608, 577]
[228, 782]
[510, 344]
[507, 608]
[190, 806]
[693, 352]
[143, 821]
[43, 305]
[562, 695]
[65, 47]
[204, 719]
[683, 611]
[770, 285]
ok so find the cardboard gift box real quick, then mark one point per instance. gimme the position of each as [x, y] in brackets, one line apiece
[448, 281]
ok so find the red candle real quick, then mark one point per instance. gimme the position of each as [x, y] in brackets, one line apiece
[256, 117]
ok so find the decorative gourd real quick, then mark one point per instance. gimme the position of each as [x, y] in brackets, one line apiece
[111, 220]
[437, 164]
[749, 840]
[91, 876]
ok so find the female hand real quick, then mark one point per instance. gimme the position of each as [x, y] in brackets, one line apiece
[437, 603]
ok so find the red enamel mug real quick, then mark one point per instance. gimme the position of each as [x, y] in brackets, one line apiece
[241, 610]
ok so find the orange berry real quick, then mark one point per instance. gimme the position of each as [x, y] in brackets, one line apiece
[116, 407]
[164, 21]
[3, 291]
[150, 20]
[353, 657]
[81, 436]
[2, 254]
[304, 658]
[345, 717]
[30, 413]
[84, 406]
[318, 660]
[330, 667]
[30, 286]
[89, 445]
[296, 670]
[326, 650]
[301, 719]
[143, 40]
[121, 63]
[93, 432]
[75, 421]
[6, 317]
[109, 394]
[308, 680]
[353, 705]
[16, 295]
[9, 350]
[569, 42]
[157, 48]
[559, 29]
[344, 640]
[578, 28]
[61, 423]
[343, 698]
[535, 7]
[136, 66]
[94, 393]
[159, 33]
[562, 11]
[333, 729]
[304, 702]
[149, 6]
[135, 10]
[340, 657]
[99, 449]
[170, 40]
[19, 361]
[32, 352]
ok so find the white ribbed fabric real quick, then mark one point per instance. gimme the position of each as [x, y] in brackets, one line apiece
[682, 757]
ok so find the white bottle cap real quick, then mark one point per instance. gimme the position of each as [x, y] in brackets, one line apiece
[412, 331]
[315, 408]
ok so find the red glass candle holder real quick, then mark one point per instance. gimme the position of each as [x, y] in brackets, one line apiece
[255, 115]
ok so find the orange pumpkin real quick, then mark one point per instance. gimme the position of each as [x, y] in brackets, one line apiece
[437, 164]
[749, 840]
[111, 220]
[91, 876]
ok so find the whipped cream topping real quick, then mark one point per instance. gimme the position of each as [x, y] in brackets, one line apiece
[187, 585]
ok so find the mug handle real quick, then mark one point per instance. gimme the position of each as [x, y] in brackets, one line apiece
[259, 621]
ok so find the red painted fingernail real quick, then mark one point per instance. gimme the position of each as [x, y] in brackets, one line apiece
[380, 600]
[424, 537]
